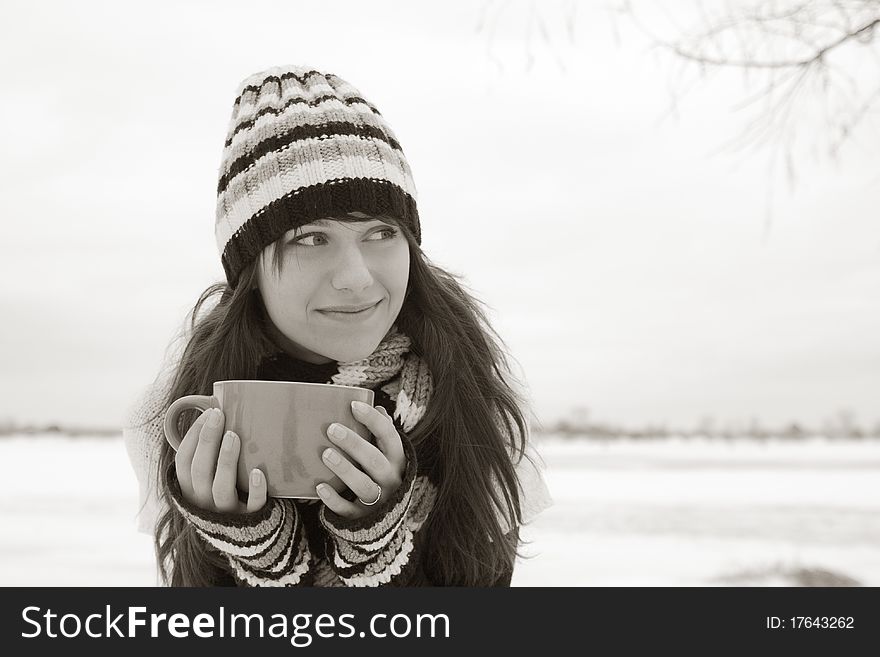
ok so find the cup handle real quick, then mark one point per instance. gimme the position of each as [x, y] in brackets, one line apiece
[201, 402]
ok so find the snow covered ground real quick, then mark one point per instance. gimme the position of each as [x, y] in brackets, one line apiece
[675, 512]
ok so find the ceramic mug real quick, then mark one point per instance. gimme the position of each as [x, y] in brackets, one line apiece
[282, 428]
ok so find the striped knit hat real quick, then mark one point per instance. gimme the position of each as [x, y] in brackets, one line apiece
[304, 145]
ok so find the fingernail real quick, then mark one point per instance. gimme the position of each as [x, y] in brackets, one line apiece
[358, 406]
[214, 419]
[336, 431]
[256, 477]
[323, 490]
[332, 456]
[228, 440]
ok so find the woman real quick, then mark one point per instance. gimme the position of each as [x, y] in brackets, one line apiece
[319, 236]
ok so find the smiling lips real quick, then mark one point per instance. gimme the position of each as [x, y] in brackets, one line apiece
[345, 312]
[350, 309]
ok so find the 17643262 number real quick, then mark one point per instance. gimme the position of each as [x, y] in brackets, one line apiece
[810, 622]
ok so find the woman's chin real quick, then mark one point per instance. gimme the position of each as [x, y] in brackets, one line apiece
[351, 353]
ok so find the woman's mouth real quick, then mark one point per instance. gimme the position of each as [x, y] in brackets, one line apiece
[351, 316]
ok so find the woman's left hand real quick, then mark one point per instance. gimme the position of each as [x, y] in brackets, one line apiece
[379, 466]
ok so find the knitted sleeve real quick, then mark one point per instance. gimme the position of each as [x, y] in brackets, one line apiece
[264, 548]
[381, 549]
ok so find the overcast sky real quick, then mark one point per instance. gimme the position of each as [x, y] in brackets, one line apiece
[626, 257]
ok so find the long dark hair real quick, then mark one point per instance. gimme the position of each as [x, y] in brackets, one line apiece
[473, 427]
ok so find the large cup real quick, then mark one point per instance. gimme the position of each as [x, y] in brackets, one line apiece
[282, 426]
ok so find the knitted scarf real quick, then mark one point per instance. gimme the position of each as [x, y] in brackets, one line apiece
[411, 390]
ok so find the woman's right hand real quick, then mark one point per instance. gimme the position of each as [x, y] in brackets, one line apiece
[207, 466]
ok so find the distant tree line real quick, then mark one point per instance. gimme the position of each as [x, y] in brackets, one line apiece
[579, 425]
[12, 428]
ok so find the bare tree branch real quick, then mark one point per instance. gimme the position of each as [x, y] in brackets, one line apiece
[816, 56]
[532, 27]
[807, 59]
[810, 67]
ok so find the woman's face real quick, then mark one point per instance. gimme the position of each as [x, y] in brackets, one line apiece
[329, 264]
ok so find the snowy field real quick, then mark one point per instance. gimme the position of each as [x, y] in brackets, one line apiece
[674, 512]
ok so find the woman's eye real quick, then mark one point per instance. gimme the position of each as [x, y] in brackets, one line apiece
[390, 231]
[301, 240]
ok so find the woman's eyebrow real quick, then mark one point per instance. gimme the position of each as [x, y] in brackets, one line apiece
[324, 223]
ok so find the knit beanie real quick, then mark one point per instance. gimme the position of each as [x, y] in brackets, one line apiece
[304, 145]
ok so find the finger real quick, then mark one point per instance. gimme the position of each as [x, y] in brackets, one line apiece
[257, 491]
[382, 426]
[185, 452]
[366, 455]
[205, 459]
[361, 484]
[336, 503]
[223, 489]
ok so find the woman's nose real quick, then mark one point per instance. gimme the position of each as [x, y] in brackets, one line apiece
[352, 271]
